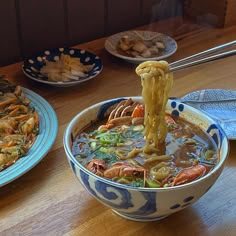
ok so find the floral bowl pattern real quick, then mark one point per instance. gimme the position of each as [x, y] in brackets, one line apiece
[145, 204]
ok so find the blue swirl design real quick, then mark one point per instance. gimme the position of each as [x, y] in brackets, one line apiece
[72, 166]
[124, 196]
[101, 188]
[216, 134]
[149, 207]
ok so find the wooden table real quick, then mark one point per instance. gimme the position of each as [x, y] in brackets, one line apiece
[49, 200]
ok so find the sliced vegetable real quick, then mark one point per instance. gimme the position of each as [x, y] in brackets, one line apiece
[138, 111]
[152, 184]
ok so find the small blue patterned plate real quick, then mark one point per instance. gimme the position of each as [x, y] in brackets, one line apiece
[219, 104]
[170, 45]
[32, 65]
[48, 128]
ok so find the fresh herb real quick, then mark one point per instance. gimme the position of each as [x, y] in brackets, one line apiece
[137, 183]
[35, 130]
[6, 86]
[110, 138]
[107, 157]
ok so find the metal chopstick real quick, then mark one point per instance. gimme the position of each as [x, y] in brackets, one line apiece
[203, 60]
[203, 53]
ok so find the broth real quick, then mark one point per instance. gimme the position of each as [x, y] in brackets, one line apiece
[116, 153]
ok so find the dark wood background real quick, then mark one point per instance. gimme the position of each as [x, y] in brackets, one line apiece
[28, 26]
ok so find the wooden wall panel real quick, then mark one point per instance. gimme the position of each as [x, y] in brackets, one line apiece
[43, 25]
[162, 10]
[9, 44]
[147, 10]
[122, 15]
[30, 26]
[85, 20]
[216, 13]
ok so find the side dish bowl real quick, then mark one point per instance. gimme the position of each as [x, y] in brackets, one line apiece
[145, 204]
[169, 43]
[32, 66]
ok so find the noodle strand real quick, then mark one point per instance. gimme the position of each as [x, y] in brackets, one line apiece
[156, 83]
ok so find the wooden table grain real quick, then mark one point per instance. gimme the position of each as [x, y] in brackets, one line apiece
[49, 200]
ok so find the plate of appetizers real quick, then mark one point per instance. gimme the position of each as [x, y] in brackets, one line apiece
[139, 46]
[29, 128]
[219, 104]
[62, 67]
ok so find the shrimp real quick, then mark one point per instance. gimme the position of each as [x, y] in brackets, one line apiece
[19, 124]
[97, 167]
[14, 109]
[124, 169]
[189, 174]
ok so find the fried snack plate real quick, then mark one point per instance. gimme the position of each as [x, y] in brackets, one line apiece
[48, 129]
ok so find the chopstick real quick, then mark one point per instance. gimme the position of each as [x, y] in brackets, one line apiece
[196, 58]
[204, 53]
[203, 60]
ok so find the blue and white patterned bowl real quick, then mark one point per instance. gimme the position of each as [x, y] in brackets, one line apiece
[145, 204]
[32, 65]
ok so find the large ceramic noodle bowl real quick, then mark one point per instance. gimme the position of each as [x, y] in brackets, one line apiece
[146, 160]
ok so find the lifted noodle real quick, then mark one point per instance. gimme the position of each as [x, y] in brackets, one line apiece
[156, 81]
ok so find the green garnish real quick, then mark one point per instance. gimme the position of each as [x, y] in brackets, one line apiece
[152, 184]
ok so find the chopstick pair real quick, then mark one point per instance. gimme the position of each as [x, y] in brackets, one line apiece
[197, 59]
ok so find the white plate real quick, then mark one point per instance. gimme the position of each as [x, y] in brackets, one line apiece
[32, 65]
[170, 45]
[220, 104]
[48, 128]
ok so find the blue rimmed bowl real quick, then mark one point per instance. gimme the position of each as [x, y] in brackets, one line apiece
[32, 65]
[48, 129]
[145, 204]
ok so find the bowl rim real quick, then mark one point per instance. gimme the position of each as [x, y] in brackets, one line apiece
[67, 148]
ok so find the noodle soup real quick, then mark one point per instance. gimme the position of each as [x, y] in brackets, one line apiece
[116, 153]
[125, 196]
[146, 157]
[140, 145]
